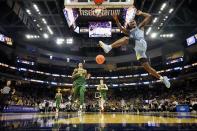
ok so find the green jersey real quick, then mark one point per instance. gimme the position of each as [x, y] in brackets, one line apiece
[102, 88]
[58, 97]
[80, 79]
[103, 91]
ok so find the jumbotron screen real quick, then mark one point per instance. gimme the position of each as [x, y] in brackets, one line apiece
[191, 40]
[100, 29]
[5, 39]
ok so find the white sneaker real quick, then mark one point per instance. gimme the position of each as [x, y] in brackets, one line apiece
[80, 111]
[105, 47]
[166, 81]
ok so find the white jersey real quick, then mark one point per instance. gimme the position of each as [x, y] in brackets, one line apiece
[136, 34]
[122, 103]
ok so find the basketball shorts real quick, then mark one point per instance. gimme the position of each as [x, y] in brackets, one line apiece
[140, 49]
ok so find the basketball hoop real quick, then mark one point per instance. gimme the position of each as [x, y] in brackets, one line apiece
[98, 11]
[98, 2]
[95, 3]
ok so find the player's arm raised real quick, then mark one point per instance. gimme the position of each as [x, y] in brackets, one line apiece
[147, 18]
[124, 30]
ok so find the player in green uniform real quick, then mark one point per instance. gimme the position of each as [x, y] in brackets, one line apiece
[79, 76]
[58, 100]
[102, 88]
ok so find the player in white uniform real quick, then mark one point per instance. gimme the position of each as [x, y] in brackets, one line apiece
[137, 33]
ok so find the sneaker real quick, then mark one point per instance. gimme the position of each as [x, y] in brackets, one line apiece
[105, 47]
[80, 111]
[166, 81]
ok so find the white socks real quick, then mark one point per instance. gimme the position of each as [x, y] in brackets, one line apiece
[161, 78]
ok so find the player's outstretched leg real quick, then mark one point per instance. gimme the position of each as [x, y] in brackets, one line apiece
[153, 72]
[105, 47]
[118, 43]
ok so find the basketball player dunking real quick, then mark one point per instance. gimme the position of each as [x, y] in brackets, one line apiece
[136, 32]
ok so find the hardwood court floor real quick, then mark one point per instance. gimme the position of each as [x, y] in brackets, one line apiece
[98, 121]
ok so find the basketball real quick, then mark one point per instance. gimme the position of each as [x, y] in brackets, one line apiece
[100, 59]
[98, 2]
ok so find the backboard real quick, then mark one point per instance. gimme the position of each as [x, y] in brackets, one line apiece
[91, 4]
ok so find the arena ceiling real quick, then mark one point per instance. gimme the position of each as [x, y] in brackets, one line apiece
[182, 22]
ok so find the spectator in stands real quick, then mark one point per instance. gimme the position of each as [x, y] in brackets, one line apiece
[123, 105]
[46, 106]
[20, 101]
[6, 93]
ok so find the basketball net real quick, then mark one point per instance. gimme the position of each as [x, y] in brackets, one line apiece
[98, 11]
[130, 15]
[107, 8]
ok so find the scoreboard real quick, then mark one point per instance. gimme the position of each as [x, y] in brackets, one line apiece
[6, 40]
[192, 40]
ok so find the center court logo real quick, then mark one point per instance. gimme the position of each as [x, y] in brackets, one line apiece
[99, 12]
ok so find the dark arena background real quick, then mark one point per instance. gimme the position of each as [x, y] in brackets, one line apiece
[98, 65]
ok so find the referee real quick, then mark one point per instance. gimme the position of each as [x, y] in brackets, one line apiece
[5, 95]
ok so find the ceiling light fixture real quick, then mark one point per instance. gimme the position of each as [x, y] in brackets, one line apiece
[59, 41]
[28, 11]
[50, 31]
[148, 31]
[163, 6]
[45, 35]
[69, 41]
[44, 21]
[154, 35]
[28, 36]
[155, 20]
[36, 8]
[171, 10]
